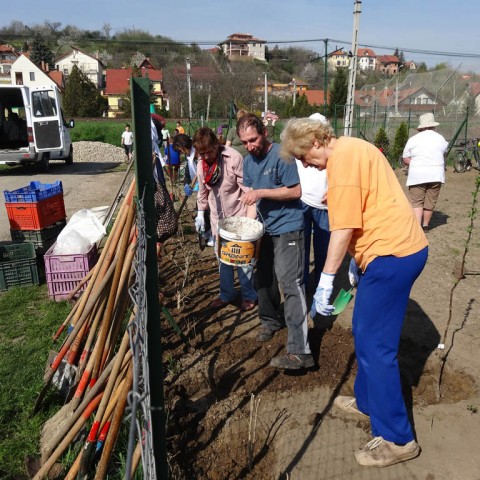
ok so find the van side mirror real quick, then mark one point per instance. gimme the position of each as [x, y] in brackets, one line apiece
[71, 123]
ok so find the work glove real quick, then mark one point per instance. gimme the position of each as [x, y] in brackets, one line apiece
[321, 299]
[200, 221]
[187, 189]
[354, 273]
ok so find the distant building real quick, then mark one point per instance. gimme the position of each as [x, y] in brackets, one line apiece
[117, 88]
[410, 65]
[7, 56]
[91, 66]
[366, 59]
[244, 46]
[388, 64]
[315, 97]
[338, 59]
[25, 72]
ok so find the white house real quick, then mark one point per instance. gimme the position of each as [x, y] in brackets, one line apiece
[91, 66]
[243, 46]
[367, 60]
[25, 72]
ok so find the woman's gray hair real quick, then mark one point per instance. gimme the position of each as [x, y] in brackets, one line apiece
[299, 134]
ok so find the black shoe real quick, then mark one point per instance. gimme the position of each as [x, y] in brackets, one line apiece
[425, 228]
[265, 335]
[291, 361]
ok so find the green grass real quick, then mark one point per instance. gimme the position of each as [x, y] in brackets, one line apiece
[106, 131]
[27, 323]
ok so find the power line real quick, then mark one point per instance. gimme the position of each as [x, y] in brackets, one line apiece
[167, 42]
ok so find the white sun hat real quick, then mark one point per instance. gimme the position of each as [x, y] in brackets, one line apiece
[318, 117]
[427, 120]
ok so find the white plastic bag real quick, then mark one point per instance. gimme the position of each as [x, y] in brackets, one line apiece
[72, 243]
[85, 223]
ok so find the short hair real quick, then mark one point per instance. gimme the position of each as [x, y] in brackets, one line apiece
[127, 125]
[250, 120]
[204, 138]
[182, 142]
[299, 134]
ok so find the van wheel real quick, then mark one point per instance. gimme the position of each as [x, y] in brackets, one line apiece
[69, 159]
[44, 163]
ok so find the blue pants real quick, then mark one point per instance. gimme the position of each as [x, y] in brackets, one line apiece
[316, 220]
[380, 307]
[245, 278]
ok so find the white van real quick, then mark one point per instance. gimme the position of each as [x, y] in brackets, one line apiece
[32, 127]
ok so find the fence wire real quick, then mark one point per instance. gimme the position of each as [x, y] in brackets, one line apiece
[138, 401]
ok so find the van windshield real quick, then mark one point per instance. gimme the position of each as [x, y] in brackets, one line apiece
[44, 104]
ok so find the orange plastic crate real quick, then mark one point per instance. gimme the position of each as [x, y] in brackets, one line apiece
[36, 215]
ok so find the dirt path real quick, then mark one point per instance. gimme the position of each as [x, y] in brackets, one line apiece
[298, 434]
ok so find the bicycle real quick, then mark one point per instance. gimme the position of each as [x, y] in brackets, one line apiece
[463, 156]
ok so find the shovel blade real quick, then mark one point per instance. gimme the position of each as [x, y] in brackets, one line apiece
[343, 299]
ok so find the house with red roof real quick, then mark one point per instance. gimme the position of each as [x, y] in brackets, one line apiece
[8, 55]
[417, 100]
[388, 64]
[244, 46]
[338, 59]
[117, 87]
[366, 59]
[315, 97]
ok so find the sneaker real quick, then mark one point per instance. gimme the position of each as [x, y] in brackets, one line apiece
[210, 241]
[265, 335]
[382, 453]
[348, 404]
[291, 361]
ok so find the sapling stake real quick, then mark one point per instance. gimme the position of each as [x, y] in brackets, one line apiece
[459, 275]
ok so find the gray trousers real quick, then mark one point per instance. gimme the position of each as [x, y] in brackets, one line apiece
[281, 264]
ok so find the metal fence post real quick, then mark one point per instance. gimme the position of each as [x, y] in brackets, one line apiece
[145, 185]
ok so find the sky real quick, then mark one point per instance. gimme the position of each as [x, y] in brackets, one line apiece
[431, 26]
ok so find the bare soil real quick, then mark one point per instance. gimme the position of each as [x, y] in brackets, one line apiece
[213, 383]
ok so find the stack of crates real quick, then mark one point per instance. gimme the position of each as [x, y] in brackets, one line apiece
[64, 272]
[18, 265]
[36, 214]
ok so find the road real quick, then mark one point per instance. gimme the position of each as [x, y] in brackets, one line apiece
[85, 185]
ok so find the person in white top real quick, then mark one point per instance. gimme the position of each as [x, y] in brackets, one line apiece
[424, 154]
[315, 213]
[127, 142]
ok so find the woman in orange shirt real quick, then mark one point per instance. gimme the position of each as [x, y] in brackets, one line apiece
[370, 218]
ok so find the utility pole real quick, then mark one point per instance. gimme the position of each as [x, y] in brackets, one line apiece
[325, 78]
[353, 70]
[189, 84]
[266, 97]
[294, 91]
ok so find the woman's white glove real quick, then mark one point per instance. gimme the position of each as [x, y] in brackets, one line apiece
[354, 273]
[321, 299]
[200, 221]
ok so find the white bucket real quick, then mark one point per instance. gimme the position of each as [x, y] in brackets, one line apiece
[239, 240]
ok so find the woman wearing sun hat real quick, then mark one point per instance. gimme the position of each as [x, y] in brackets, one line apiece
[424, 154]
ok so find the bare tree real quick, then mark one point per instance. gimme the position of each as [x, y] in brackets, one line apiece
[107, 28]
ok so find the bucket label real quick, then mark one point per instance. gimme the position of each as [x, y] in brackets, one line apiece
[236, 253]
